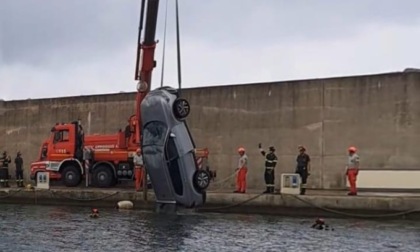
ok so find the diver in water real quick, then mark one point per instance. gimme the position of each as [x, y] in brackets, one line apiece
[94, 213]
[320, 225]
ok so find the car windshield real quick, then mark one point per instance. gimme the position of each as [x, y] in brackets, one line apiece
[154, 133]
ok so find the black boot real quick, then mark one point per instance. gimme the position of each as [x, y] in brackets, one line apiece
[302, 191]
[7, 183]
[267, 190]
[272, 189]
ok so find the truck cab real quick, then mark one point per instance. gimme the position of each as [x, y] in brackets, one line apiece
[62, 154]
[66, 141]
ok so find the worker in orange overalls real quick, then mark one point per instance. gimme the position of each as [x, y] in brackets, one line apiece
[352, 169]
[242, 170]
[138, 168]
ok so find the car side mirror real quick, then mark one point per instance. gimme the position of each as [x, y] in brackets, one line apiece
[172, 135]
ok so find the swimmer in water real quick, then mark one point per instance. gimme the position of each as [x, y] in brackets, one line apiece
[320, 225]
[94, 213]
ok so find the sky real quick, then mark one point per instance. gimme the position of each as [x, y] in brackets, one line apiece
[51, 48]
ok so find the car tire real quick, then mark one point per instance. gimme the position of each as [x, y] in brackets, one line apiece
[103, 177]
[201, 180]
[71, 176]
[181, 108]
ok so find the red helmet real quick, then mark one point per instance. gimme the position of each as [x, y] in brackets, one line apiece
[320, 221]
[352, 149]
[241, 149]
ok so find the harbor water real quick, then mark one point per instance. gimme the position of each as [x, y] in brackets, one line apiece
[45, 228]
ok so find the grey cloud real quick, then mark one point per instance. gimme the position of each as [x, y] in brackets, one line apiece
[90, 44]
[33, 31]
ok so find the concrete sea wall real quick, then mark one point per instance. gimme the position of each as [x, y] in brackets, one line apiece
[380, 114]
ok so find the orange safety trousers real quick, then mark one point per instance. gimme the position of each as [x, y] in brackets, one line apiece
[138, 173]
[352, 177]
[241, 180]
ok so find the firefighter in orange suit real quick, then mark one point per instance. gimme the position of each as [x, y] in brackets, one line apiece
[138, 169]
[352, 169]
[242, 170]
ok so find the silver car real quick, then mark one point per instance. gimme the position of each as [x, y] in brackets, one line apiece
[168, 150]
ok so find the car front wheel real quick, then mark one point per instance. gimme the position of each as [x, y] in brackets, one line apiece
[181, 108]
[201, 179]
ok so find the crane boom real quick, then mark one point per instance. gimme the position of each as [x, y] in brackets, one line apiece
[145, 61]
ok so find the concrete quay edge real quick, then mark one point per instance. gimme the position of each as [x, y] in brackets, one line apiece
[364, 206]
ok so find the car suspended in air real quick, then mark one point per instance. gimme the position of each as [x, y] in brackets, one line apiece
[169, 150]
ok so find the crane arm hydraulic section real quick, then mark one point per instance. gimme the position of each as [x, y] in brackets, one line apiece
[145, 61]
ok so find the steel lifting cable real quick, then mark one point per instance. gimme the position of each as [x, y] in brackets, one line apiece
[224, 180]
[81, 199]
[164, 46]
[402, 213]
[178, 48]
[357, 215]
[229, 206]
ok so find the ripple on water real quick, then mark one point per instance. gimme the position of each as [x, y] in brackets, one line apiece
[41, 228]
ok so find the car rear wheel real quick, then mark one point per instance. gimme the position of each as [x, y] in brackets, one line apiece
[201, 180]
[71, 176]
[103, 177]
[181, 108]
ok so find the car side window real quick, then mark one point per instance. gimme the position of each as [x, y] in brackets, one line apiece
[154, 133]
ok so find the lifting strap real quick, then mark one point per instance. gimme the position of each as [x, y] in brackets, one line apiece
[178, 49]
[164, 46]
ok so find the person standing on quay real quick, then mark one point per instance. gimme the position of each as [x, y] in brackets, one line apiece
[270, 165]
[19, 169]
[303, 168]
[242, 170]
[352, 170]
[138, 168]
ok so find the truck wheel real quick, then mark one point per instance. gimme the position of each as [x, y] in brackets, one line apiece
[103, 177]
[181, 108]
[201, 179]
[71, 176]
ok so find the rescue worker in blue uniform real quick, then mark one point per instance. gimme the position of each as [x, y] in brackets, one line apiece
[19, 169]
[270, 165]
[303, 168]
